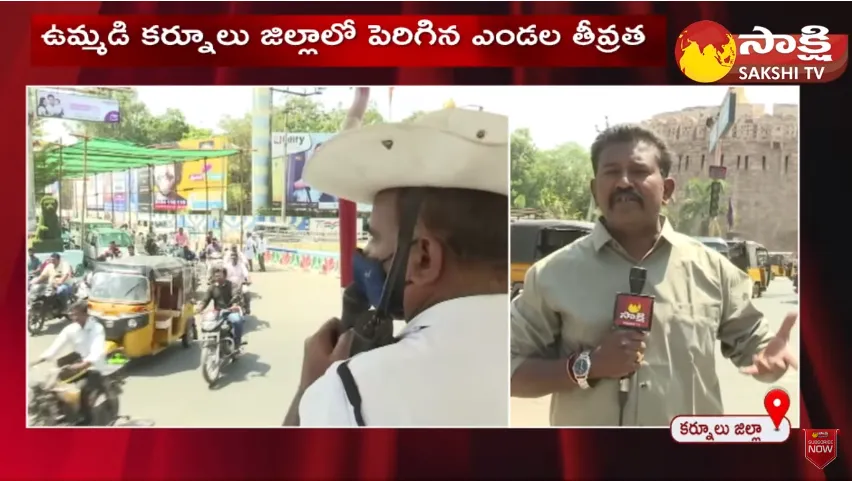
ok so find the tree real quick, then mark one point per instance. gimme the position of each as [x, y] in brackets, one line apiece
[689, 211]
[554, 181]
[43, 173]
[197, 133]
[298, 114]
[138, 124]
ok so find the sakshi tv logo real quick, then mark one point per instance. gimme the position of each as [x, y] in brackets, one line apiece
[707, 52]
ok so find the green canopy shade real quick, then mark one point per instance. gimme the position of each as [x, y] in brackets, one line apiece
[107, 155]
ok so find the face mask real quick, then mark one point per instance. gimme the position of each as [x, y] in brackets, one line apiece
[369, 276]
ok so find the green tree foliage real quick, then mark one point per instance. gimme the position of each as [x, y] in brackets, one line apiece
[689, 211]
[297, 114]
[554, 181]
[197, 133]
[138, 124]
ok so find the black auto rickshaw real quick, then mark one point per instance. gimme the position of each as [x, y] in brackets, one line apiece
[532, 240]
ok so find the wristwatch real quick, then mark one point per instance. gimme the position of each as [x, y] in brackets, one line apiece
[580, 369]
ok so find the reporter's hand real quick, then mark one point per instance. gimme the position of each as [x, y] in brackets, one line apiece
[620, 354]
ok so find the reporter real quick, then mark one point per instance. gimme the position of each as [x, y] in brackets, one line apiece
[565, 310]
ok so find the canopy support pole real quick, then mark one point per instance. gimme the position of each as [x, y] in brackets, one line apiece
[222, 198]
[59, 183]
[242, 196]
[112, 194]
[85, 194]
[150, 198]
[206, 199]
[127, 196]
[177, 181]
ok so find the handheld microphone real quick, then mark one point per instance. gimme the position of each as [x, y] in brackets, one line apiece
[633, 311]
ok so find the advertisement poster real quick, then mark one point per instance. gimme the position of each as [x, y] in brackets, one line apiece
[143, 189]
[55, 104]
[116, 198]
[197, 185]
[290, 152]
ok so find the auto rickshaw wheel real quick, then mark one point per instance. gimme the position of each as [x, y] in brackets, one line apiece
[756, 290]
[190, 334]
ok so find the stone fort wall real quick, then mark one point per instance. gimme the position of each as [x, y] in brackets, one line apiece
[762, 156]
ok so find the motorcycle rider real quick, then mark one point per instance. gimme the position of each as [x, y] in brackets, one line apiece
[151, 245]
[87, 338]
[33, 264]
[57, 272]
[238, 275]
[236, 252]
[181, 238]
[225, 295]
[188, 254]
[112, 250]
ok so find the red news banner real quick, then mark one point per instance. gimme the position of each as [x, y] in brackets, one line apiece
[343, 41]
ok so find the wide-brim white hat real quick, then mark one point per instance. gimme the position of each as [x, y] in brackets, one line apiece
[449, 148]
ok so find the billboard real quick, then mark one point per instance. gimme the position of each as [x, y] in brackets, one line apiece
[290, 152]
[194, 185]
[116, 198]
[139, 178]
[55, 104]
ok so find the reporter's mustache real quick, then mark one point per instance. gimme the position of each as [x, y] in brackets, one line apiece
[626, 195]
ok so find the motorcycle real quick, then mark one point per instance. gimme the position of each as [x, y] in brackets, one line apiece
[56, 400]
[43, 305]
[217, 344]
[81, 288]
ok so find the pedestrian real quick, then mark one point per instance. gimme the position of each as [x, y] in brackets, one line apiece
[181, 239]
[563, 342]
[260, 252]
[448, 366]
[250, 250]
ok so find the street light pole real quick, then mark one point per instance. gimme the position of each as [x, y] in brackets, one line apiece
[286, 91]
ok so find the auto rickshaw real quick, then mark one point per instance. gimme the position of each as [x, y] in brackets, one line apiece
[532, 240]
[145, 303]
[779, 262]
[753, 259]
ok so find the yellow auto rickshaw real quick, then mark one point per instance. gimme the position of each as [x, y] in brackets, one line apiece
[779, 263]
[753, 259]
[532, 240]
[144, 302]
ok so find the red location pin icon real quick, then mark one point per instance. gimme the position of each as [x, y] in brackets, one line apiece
[777, 403]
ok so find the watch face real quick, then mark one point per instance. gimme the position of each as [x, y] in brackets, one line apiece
[581, 366]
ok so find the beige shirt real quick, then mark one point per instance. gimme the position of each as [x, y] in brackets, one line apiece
[701, 298]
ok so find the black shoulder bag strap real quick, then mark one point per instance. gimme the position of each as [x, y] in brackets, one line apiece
[352, 392]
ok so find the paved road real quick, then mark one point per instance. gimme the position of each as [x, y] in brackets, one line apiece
[741, 394]
[168, 388]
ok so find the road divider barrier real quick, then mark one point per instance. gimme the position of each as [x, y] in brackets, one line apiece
[314, 262]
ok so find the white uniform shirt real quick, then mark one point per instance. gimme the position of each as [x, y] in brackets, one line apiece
[249, 248]
[88, 341]
[237, 274]
[450, 368]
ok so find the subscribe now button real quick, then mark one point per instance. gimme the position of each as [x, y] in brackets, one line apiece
[729, 429]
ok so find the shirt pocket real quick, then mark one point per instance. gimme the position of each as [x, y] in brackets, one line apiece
[692, 333]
